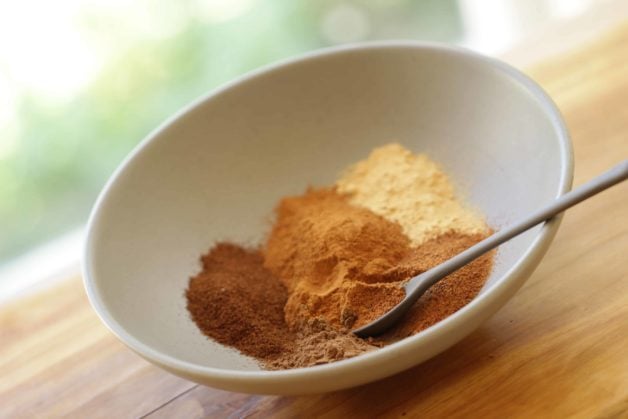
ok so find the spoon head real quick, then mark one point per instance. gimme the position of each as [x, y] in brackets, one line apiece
[385, 322]
[414, 288]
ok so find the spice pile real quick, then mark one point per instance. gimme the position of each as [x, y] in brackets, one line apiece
[335, 259]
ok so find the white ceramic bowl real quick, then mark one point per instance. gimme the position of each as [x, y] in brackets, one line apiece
[215, 171]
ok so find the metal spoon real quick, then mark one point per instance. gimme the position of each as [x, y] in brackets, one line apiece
[416, 287]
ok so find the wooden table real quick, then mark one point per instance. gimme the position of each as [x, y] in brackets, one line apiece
[559, 348]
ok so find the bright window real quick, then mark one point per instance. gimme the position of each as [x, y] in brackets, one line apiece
[83, 81]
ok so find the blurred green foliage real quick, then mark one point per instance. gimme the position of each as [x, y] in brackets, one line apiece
[62, 154]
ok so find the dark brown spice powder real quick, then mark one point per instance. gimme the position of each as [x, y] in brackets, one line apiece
[239, 303]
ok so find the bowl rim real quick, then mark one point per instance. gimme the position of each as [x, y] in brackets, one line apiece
[532, 255]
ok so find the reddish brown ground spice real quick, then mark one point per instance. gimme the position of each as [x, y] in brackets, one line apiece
[451, 293]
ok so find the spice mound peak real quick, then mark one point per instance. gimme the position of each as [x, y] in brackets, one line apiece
[409, 189]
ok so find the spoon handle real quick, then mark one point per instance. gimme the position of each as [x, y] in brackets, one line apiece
[417, 285]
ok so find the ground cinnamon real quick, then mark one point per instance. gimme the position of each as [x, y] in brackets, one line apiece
[451, 293]
[330, 254]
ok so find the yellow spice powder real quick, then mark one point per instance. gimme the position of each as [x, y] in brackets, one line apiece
[409, 189]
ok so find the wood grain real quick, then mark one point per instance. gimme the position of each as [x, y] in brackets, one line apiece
[558, 349]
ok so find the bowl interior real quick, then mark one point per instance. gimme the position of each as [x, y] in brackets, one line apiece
[216, 171]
